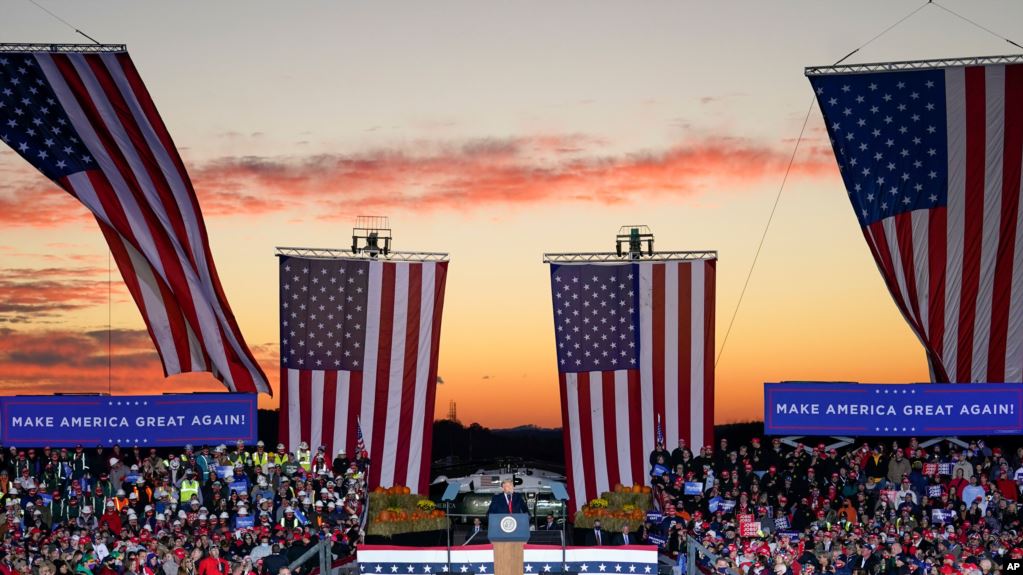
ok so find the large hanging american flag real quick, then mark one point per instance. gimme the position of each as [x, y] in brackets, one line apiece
[86, 121]
[931, 161]
[359, 342]
[635, 344]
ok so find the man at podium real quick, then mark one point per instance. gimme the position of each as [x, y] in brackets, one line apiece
[507, 501]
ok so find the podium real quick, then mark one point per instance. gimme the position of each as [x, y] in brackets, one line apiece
[508, 534]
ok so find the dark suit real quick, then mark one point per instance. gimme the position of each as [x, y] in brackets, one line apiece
[593, 540]
[499, 504]
[552, 526]
[476, 538]
[619, 539]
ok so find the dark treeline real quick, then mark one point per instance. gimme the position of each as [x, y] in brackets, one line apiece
[455, 443]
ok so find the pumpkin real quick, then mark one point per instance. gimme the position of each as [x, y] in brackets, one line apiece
[637, 488]
[385, 516]
[405, 490]
[646, 489]
[618, 487]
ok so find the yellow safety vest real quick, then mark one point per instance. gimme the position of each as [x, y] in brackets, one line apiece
[305, 459]
[188, 489]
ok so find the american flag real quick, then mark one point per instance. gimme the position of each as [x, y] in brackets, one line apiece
[931, 161]
[360, 441]
[359, 341]
[635, 344]
[87, 122]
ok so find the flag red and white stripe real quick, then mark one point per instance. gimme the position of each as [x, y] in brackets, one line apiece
[955, 271]
[137, 188]
[392, 392]
[608, 417]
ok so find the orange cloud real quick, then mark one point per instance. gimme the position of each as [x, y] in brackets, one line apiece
[43, 205]
[434, 176]
[60, 360]
[483, 173]
[28, 294]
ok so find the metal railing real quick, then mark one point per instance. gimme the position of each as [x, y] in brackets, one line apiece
[912, 65]
[70, 48]
[329, 253]
[592, 257]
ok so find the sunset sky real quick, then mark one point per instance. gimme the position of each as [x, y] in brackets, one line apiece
[495, 131]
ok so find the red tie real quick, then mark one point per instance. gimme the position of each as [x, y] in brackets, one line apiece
[509, 503]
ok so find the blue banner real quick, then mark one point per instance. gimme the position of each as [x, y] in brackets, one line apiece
[807, 408]
[244, 522]
[693, 488]
[144, 420]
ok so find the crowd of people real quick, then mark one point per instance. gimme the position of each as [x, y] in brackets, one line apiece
[879, 508]
[206, 511]
[873, 508]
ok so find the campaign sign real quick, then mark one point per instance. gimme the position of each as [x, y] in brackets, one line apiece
[693, 488]
[811, 408]
[244, 522]
[150, 420]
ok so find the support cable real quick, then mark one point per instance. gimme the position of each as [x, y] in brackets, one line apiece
[788, 170]
[767, 227]
[984, 28]
[63, 21]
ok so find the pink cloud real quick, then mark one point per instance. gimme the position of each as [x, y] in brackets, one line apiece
[485, 173]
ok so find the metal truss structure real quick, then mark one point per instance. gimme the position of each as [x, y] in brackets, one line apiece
[912, 65]
[70, 48]
[328, 253]
[613, 257]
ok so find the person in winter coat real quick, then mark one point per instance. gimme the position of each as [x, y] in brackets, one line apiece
[111, 519]
[213, 564]
[898, 467]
